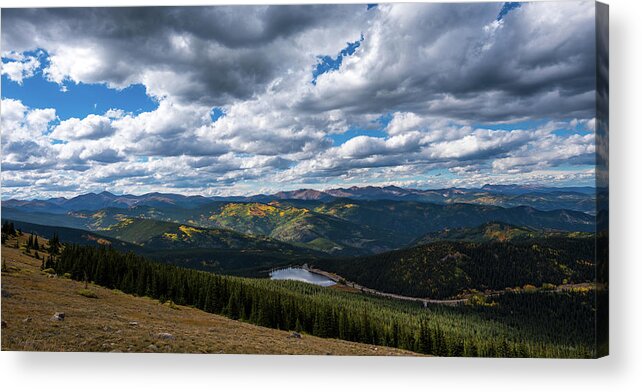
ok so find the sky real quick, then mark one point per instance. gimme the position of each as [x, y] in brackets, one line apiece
[238, 100]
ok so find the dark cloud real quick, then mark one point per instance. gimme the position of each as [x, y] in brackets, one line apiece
[214, 54]
[459, 62]
[435, 70]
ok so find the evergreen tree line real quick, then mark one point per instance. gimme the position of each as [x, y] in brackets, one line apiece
[444, 269]
[32, 243]
[311, 309]
[8, 229]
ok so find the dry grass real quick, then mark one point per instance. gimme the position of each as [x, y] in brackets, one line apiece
[124, 323]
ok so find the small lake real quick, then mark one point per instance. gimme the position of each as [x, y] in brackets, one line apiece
[302, 275]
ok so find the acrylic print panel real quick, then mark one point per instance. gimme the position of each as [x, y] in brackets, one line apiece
[381, 179]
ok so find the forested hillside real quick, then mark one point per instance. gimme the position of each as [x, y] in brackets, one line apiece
[510, 327]
[496, 231]
[214, 250]
[446, 268]
[338, 227]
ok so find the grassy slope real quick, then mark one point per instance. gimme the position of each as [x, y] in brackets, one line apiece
[102, 324]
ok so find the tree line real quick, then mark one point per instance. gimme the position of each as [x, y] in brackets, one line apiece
[446, 268]
[311, 309]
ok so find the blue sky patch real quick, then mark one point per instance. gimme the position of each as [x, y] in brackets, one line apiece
[216, 113]
[79, 100]
[508, 7]
[384, 120]
[328, 63]
[354, 131]
[339, 139]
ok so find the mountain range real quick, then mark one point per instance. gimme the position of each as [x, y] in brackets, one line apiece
[249, 235]
[543, 198]
[339, 227]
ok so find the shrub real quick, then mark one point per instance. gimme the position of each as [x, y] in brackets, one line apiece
[170, 304]
[529, 288]
[476, 300]
[87, 293]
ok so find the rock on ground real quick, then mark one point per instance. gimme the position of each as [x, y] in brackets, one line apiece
[58, 316]
[166, 335]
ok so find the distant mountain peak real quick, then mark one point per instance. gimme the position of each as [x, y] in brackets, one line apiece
[303, 194]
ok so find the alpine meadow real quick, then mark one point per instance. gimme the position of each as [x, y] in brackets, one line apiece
[415, 179]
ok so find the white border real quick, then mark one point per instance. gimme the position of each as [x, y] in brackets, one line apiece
[620, 371]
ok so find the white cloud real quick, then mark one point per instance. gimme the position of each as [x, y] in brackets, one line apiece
[90, 127]
[22, 123]
[24, 146]
[549, 151]
[22, 67]
[438, 70]
[481, 143]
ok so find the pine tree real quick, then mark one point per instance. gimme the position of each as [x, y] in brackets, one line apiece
[8, 228]
[439, 343]
[425, 342]
[457, 349]
[54, 244]
[297, 325]
[470, 350]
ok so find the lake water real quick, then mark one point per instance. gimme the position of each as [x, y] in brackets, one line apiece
[302, 275]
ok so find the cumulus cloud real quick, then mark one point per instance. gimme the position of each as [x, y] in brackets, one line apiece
[431, 88]
[541, 63]
[206, 54]
[24, 146]
[90, 127]
[480, 144]
[548, 152]
[19, 66]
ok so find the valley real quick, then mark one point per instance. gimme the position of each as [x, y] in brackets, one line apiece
[428, 276]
